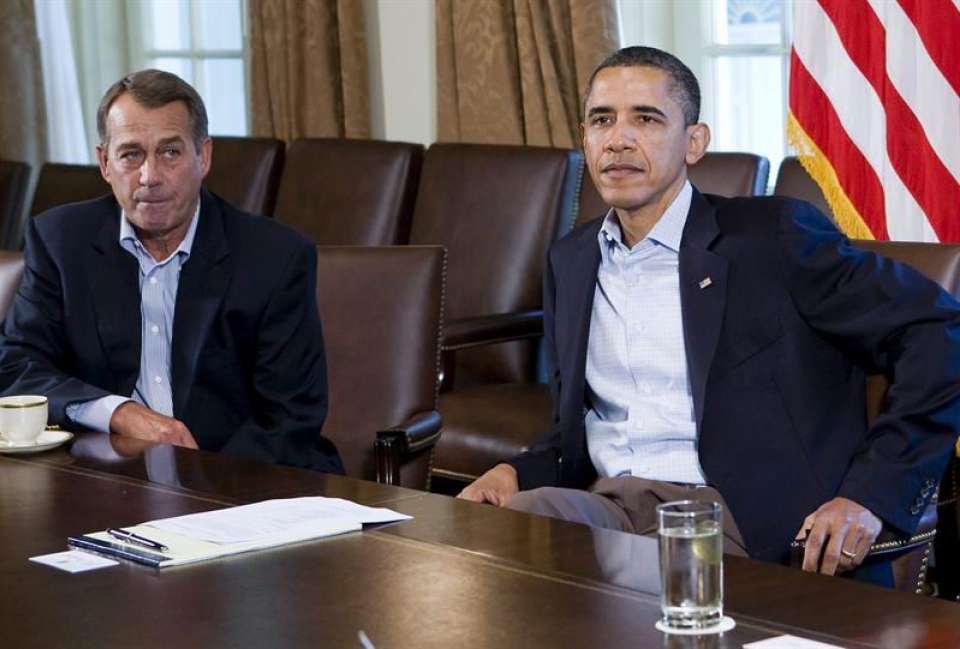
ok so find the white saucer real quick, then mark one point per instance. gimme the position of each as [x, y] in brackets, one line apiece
[47, 440]
[726, 623]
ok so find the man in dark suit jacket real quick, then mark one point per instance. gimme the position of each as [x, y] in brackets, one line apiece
[776, 319]
[163, 313]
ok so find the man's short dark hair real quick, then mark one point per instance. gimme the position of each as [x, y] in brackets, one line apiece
[683, 84]
[155, 89]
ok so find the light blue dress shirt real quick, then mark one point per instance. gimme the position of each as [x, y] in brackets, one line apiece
[642, 419]
[159, 281]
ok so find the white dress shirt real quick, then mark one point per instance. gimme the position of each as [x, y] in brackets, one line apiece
[159, 281]
[642, 420]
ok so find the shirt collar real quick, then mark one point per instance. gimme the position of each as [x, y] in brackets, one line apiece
[668, 231]
[128, 234]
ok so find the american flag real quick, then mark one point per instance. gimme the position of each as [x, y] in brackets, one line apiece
[875, 113]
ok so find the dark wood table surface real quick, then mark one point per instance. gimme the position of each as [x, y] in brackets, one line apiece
[457, 575]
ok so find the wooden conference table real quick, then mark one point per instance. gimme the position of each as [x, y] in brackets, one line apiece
[457, 575]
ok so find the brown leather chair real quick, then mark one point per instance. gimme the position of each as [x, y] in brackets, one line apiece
[497, 209]
[60, 184]
[731, 174]
[350, 192]
[14, 177]
[246, 172]
[381, 310]
[11, 272]
[720, 173]
[941, 263]
[794, 181]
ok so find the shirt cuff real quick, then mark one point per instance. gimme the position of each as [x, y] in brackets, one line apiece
[96, 414]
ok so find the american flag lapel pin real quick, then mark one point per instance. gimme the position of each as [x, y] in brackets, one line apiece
[705, 282]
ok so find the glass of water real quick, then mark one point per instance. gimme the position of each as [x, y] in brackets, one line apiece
[691, 564]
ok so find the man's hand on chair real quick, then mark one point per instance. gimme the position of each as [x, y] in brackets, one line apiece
[840, 534]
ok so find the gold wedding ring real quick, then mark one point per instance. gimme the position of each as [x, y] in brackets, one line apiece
[848, 554]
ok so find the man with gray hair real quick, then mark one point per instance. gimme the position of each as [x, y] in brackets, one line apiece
[161, 312]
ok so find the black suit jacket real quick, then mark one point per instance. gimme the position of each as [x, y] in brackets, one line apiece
[247, 361]
[777, 343]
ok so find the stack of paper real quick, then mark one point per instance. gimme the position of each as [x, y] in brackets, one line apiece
[209, 535]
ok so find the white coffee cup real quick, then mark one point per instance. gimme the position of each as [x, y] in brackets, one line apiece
[22, 418]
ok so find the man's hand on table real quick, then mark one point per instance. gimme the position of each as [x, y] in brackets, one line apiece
[134, 420]
[840, 534]
[496, 486]
[128, 446]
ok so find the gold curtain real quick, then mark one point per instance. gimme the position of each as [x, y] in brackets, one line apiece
[309, 60]
[512, 71]
[22, 111]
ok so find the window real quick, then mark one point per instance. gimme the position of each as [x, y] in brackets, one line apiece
[748, 54]
[202, 41]
[740, 52]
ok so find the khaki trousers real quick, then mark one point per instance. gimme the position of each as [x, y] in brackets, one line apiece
[624, 503]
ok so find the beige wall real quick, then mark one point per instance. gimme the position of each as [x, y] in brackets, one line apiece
[401, 48]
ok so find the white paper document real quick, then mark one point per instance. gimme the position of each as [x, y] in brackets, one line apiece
[789, 642]
[74, 561]
[234, 530]
[272, 519]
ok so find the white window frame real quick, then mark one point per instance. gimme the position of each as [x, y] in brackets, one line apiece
[140, 55]
[685, 29]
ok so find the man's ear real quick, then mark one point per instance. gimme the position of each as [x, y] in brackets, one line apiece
[698, 139]
[102, 161]
[206, 156]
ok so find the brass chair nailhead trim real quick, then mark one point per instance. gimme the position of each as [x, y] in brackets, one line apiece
[913, 540]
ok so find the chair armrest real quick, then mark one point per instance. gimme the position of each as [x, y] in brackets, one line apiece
[889, 544]
[909, 557]
[488, 330]
[394, 445]
[415, 434]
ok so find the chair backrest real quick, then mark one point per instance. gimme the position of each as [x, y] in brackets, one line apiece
[794, 181]
[381, 309]
[60, 184]
[11, 272]
[246, 172]
[350, 192]
[731, 174]
[590, 204]
[721, 173]
[13, 192]
[496, 209]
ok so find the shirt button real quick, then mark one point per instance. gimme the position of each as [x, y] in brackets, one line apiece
[646, 388]
[155, 329]
[153, 280]
[158, 379]
[639, 425]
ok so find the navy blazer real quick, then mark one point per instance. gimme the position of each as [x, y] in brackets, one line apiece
[247, 362]
[777, 343]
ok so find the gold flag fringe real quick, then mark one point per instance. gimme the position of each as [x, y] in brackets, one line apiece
[818, 166]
